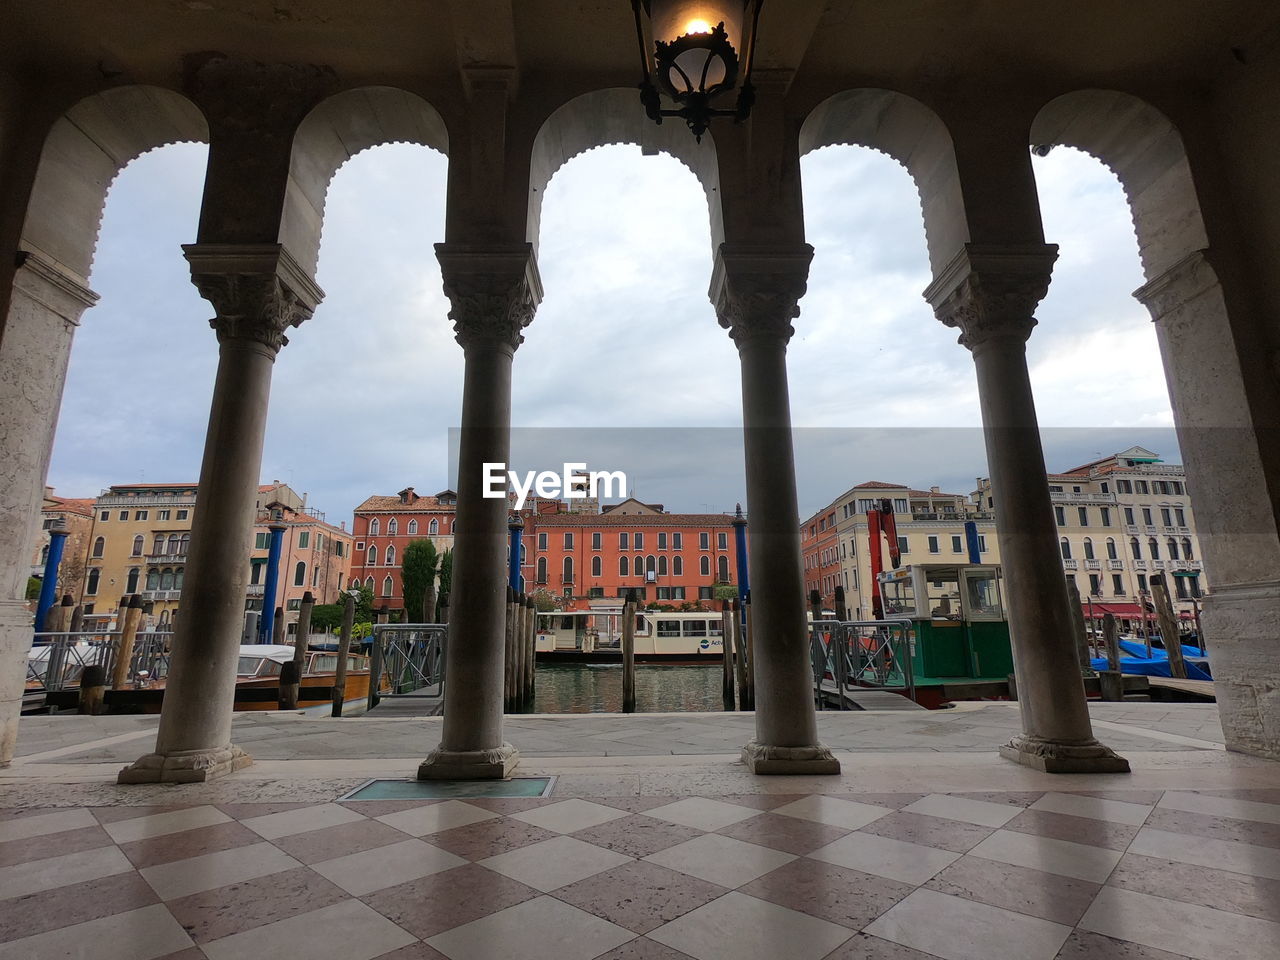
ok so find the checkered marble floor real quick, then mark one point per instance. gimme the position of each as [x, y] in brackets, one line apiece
[1103, 875]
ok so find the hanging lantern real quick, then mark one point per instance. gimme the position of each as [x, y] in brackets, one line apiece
[693, 54]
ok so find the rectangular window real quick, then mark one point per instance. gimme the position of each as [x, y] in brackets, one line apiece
[933, 544]
[722, 541]
[1055, 488]
[662, 541]
[677, 541]
[295, 604]
[568, 541]
[140, 515]
[1180, 516]
[1106, 488]
[105, 516]
[259, 541]
[957, 544]
[982, 543]
[622, 541]
[704, 541]
[594, 592]
[1142, 486]
[1124, 486]
[1106, 516]
[182, 514]
[1128, 516]
[542, 541]
[902, 544]
[1060, 514]
[706, 593]
[1084, 515]
[597, 539]
[1117, 584]
[1166, 516]
[639, 540]
[664, 593]
[304, 539]
[124, 514]
[162, 514]
[1146, 516]
[677, 593]
[1095, 585]
[866, 506]
[359, 544]
[901, 506]
[1142, 582]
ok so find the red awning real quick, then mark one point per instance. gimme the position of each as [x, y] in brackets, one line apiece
[1121, 611]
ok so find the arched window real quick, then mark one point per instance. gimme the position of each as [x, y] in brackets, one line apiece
[1088, 548]
[1186, 549]
[568, 570]
[542, 569]
[1153, 547]
[300, 573]
[387, 586]
[1173, 548]
[1065, 546]
[91, 585]
[174, 540]
[650, 564]
[624, 568]
[131, 585]
[137, 548]
[373, 556]
[722, 568]
[393, 527]
[704, 566]
[44, 555]
[433, 527]
[597, 567]
[157, 545]
[412, 529]
[662, 566]
[355, 583]
[1111, 549]
[1135, 548]
[178, 577]
[374, 527]
[452, 525]
[166, 579]
[153, 579]
[391, 555]
[98, 546]
[368, 582]
[677, 566]
[185, 543]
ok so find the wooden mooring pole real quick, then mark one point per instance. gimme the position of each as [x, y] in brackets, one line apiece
[740, 657]
[509, 651]
[531, 646]
[344, 651]
[629, 654]
[130, 618]
[1110, 681]
[1168, 627]
[726, 663]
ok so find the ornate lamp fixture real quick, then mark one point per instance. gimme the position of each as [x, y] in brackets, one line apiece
[693, 53]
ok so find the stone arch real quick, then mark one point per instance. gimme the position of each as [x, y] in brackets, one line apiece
[1141, 146]
[906, 130]
[335, 130]
[85, 149]
[615, 116]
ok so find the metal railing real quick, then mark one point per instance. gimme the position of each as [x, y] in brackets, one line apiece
[866, 654]
[409, 659]
[58, 659]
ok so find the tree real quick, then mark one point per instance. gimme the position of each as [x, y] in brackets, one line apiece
[327, 616]
[33, 587]
[726, 591]
[418, 575]
[446, 579]
[544, 601]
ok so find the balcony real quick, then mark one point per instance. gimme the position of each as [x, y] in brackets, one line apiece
[1139, 564]
[1157, 564]
[1093, 564]
[1082, 497]
[1130, 528]
[161, 594]
[255, 590]
[160, 559]
[1151, 531]
[1070, 564]
[1115, 564]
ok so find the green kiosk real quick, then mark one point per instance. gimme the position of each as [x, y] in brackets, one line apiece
[960, 636]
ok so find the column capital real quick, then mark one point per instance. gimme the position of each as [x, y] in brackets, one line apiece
[48, 283]
[258, 290]
[1183, 282]
[756, 288]
[990, 292]
[493, 290]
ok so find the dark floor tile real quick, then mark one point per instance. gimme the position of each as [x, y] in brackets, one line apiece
[760, 801]
[938, 832]
[1020, 889]
[116, 814]
[188, 843]
[53, 845]
[339, 841]
[1061, 826]
[218, 913]
[1017, 798]
[414, 951]
[633, 804]
[637, 836]
[380, 808]
[863, 946]
[442, 901]
[1234, 892]
[790, 834]
[488, 838]
[245, 811]
[1219, 828]
[639, 896]
[847, 897]
[642, 948]
[1082, 945]
[65, 906]
[894, 800]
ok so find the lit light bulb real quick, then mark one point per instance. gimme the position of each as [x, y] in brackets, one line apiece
[697, 26]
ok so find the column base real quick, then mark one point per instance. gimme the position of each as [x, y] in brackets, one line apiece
[767, 760]
[1050, 756]
[495, 764]
[185, 766]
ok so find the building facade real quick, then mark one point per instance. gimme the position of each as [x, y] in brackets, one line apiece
[315, 558]
[77, 516]
[384, 526]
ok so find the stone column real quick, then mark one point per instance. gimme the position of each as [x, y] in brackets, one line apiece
[35, 344]
[990, 294]
[493, 292]
[258, 292]
[1222, 441]
[756, 291]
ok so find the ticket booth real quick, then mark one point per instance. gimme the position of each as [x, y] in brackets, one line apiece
[958, 618]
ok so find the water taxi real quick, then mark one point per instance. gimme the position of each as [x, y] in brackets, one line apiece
[661, 636]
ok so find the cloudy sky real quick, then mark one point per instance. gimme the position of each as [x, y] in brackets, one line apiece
[624, 366]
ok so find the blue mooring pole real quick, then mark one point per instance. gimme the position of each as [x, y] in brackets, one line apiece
[49, 586]
[516, 526]
[266, 622]
[971, 541]
[740, 542]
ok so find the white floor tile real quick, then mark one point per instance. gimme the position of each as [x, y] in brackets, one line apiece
[185, 877]
[1231, 855]
[832, 810]
[1186, 929]
[160, 824]
[370, 870]
[1221, 806]
[540, 929]
[886, 857]
[957, 929]
[349, 930]
[20, 879]
[136, 935]
[289, 822]
[982, 812]
[44, 824]
[1079, 805]
[721, 860]
[1067, 859]
[420, 821]
[569, 816]
[703, 813]
[746, 928]
[551, 864]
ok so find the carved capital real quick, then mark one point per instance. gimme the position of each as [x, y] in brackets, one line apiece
[257, 290]
[50, 284]
[990, 293]
[756, 290]
[493, 291]
[1186, 280]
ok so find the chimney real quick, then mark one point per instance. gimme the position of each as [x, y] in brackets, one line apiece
[935, 489]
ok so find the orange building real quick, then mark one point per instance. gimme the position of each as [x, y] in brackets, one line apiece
[384, 526]
[820, 545]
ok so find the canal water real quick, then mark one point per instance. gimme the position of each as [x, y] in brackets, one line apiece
[597, 688]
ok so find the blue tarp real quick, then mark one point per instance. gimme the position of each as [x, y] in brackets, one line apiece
[1158, 664]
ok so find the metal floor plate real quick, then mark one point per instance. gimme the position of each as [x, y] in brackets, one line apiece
[451, 789]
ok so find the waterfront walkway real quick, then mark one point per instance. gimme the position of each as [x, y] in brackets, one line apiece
[653, 845]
